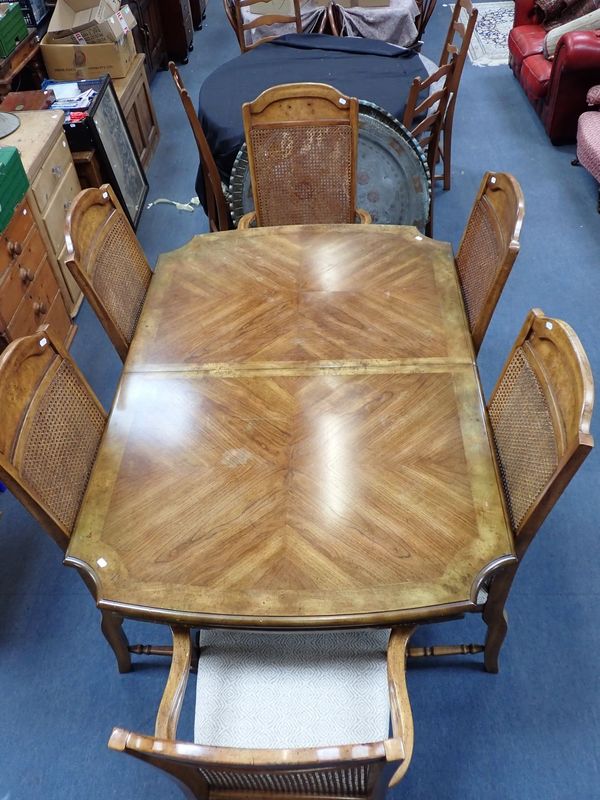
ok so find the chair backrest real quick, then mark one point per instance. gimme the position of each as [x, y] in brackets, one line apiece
[458, 38]
[302, 141]
[264, 20]
[219, 218]
[108, 263]
[540, 413]
[51, 424]
[488, 248]
[424, 118]
[426, 9]
[229, 6]
[343, 770]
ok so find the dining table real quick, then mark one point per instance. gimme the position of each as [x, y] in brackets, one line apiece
[370, 70]
[298, 439]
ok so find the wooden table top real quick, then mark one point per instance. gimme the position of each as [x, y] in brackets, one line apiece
[284, 452]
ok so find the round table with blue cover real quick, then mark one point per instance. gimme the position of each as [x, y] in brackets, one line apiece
[364, 68]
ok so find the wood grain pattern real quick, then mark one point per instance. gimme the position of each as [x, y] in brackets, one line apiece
[294, 295]
[244, 479]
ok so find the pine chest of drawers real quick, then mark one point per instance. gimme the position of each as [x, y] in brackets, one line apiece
[29, 292]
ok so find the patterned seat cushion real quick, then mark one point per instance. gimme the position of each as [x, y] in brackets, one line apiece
[277, 690]
[588, 142]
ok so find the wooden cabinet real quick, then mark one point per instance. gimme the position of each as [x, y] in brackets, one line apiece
[178, 28]
[198, 8]
[29, 292]
[148, 34]
[138, 109]
[54, 183]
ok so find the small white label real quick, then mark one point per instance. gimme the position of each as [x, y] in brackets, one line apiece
[549, 325]
[43, 342]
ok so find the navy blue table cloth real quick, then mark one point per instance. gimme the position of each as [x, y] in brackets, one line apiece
[364, 68]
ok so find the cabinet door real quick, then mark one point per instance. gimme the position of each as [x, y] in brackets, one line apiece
[148, 34]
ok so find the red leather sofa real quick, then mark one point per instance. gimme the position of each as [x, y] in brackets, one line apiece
[557, 89]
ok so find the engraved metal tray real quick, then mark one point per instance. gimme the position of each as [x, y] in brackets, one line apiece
[392, 178]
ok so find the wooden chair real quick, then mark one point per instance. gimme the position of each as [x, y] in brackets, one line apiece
[302, 141]
[262, 21]
[294, 685]
[488, 248]
[51, 424]
[539, 413]
[426, 9]
[108, 263]
[458, 41]
[219, 218]
[424, 117]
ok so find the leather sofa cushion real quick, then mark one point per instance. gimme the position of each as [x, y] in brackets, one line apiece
[535, 76]
[525, 41]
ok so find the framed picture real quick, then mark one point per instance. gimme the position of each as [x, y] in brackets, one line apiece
[104, 131]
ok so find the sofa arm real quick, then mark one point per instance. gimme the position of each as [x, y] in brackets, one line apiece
[525, 13]
[577, 51]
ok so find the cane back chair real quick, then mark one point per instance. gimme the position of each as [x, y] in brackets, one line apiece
[264, 20]
[302, 141]
[51, 424]
[244, 690]
[219, 218]
[539, 413]
[488, 248]
[424, 115]
[458, 41]
[108, 263]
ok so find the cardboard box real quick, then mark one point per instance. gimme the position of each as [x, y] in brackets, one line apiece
[108, 30]
[68, 62]
[84, 17]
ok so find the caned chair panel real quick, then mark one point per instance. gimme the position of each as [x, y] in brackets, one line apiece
[51, 424]
[539, 413]
[219, 218]
[489, 247]
[264, 20]
[302, 147]
[107, 262]
[299, 670]
[458, 41]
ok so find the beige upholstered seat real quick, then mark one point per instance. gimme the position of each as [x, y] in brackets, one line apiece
[488, 248]
[302, 714]
[107, 262]
[302, 141]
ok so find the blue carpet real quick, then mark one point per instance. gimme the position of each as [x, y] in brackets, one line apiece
[531, 732]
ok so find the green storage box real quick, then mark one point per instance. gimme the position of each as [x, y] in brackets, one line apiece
[12, 27]
[13, 183]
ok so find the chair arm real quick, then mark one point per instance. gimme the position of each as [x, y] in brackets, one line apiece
[402, 722]
[247, 221]
[363, 216]
[172, 699]
[525, 13]
[577, 51]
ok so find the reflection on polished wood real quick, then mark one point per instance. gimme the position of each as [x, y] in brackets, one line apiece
[353, 486]
[294, 295]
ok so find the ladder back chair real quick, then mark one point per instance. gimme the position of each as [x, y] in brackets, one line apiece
[245, 684]
[108, 263]
[488, 248]
[302, 141]
[539, 413]
[458, 41]
[219, 218]
[424, 115]
[264, 20]
[51, 424]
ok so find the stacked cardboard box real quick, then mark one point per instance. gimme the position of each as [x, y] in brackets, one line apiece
[89, 38]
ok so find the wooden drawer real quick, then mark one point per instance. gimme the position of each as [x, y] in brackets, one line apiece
[36, 303]
[20, 273]
[51, 173]
[58, 319]
[72, 285]
[15, 234]
[54, 216]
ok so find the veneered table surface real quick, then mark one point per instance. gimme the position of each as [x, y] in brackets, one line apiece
[298, 438]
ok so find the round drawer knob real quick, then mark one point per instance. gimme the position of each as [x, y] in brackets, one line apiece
[15, 248]
[39, 308]
[26, 275]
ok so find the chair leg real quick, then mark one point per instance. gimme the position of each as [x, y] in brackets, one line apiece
[112, 628]
[447, 155]
[496, 633]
